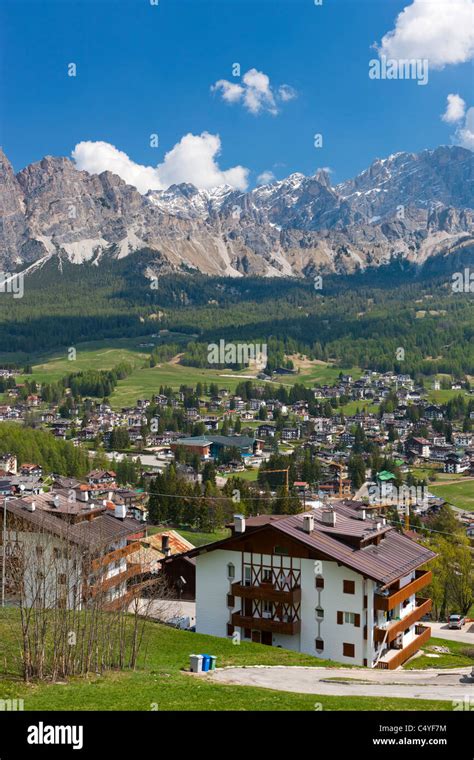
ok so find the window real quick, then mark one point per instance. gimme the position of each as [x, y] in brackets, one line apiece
[267, 608]
[319, 644]
[348, 587]
[266, 575]
[281, 550]
[62, 579]
[230, 571]
[349, 617]
[319, 613]
[319, 582]
[348, 650]
[247, 633]
[247, 575]
[39, 551]
[230, 629]
[230, 600]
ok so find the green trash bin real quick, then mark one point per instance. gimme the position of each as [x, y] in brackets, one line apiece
[212, 666]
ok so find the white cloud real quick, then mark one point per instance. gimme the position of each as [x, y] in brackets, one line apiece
[286, 92]
[193, 159]
[455, 109]
[464, 135]
[440, 30]
[255, 93]
[265, 178]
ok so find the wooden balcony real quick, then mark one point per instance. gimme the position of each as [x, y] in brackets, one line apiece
[115, 580]
[396, 657]
[107, 559]
[266, 624]
[389, 601]
[267, 592]
[423, 606]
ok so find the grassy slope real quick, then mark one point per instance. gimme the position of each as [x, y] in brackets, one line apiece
[457, 657]
[161, 684]
[145, 381]
[460, 494]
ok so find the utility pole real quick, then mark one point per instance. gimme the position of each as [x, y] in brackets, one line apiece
[4, 552]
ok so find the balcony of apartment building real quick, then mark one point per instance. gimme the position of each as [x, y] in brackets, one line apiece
[395, 656]
[394, 595]
[390, 630]
[285, 624]
[270, 584]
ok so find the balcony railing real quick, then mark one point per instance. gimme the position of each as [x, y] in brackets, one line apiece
[115, 555]
[267, 592]
[266, 624]
[422, 636]
[387, 602]
[391, 631]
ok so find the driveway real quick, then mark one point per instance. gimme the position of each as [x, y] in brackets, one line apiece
[167, 609]
[447, 685]
[441, 631]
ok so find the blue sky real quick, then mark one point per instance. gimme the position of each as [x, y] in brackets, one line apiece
[144, 69]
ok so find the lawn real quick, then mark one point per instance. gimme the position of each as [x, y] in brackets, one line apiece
[145, 381]
[457, 657]
[460, 494]
[197, 538]
[160, 682]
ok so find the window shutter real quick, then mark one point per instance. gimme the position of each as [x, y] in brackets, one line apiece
[357, 621]
[340, 616]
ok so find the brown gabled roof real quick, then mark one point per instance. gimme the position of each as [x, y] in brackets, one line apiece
[92, 534]
[391, 557]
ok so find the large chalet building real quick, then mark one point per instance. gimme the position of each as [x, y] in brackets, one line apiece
[71, 554]
[332, 583]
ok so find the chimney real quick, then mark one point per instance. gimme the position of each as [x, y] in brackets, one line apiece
[120, 511]
[308, 523]
[165, 545]
[31, 506]
[56, 500]
[363, 514]
[239, 524]
[84, 495]
[328, 517]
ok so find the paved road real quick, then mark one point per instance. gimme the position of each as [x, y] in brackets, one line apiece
[445, 685]
[441, 631]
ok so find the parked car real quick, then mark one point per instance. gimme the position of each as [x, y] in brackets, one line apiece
[456, 621]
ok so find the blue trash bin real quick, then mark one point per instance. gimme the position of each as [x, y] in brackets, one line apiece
[206, 662]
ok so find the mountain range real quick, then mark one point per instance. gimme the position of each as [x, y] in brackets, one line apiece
[410, 205]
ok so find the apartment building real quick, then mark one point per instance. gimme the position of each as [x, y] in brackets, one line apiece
[332, 583]
[68, 554]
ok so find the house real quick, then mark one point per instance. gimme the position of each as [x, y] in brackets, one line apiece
[331, 583]
[212, 445]
[290, 433]
[456, 463]
[8, 462]
[101, 478]
[418, 447]
[266, 431]
[69, 554]
[433, 412]
[31, 470]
